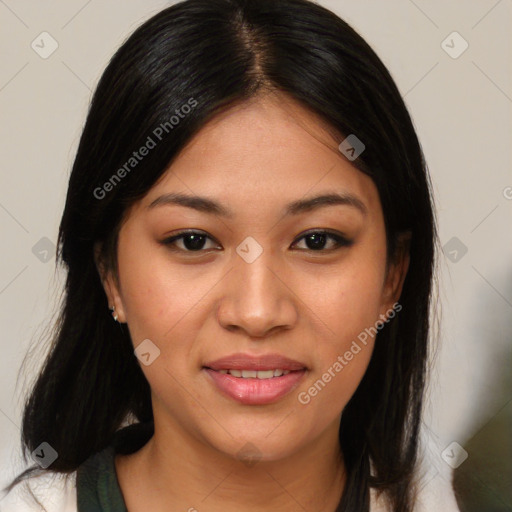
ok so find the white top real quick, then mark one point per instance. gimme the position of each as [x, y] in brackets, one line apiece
[53, 491]
[57, 493]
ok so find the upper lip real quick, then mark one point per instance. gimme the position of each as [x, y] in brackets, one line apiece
[253, 362]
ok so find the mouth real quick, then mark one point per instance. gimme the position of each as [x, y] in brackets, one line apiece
[254, 374]
[255, 380]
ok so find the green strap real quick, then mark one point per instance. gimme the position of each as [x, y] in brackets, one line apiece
[97, 486]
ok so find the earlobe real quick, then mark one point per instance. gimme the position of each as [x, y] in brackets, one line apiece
[114, 298]
[110, 287]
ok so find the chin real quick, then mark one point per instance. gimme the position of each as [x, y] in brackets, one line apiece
[258, 448]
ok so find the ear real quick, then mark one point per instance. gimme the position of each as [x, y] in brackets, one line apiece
[396, 272]
[110, 284]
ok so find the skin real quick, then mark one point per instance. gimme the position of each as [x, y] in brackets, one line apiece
[199, 306]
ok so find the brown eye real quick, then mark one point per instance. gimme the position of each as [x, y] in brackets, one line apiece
[194, 241]
[324, 241]
[188, 241]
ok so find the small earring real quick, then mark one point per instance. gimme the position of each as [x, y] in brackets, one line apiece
[112, 309]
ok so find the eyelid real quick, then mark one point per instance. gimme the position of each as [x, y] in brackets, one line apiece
[169, 240]
[339, 238]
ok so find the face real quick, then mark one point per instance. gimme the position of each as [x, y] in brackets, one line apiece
[257, 279]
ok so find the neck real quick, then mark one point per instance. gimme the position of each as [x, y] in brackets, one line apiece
[176, 470]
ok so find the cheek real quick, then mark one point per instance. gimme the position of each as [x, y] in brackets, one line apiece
[156, 297]
[348, 303]
[345, 299]
[344, 352]
[164, 305]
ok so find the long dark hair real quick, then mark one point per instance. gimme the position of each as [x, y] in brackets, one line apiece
[212, 55]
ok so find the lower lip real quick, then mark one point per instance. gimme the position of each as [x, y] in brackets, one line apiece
[255, 391]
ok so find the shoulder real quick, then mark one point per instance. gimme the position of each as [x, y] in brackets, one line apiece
[49, 492]
[94, 484]
[435, 488]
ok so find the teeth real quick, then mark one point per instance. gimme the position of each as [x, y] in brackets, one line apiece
[256, 374]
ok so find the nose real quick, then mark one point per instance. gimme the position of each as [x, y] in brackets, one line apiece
[257, 299]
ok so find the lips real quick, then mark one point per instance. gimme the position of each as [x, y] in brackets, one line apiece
[241, 378]
[258, 363]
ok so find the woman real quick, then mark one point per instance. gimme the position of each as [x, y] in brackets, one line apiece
[250, 201]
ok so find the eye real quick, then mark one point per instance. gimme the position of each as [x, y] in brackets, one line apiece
[197, 241]
[188, 241]
[317, 241]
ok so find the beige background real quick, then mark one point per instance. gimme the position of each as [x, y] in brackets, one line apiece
[460, 106]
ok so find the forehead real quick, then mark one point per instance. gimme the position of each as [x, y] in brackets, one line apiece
[269, 150]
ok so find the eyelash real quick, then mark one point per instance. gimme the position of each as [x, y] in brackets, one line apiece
[339, 240]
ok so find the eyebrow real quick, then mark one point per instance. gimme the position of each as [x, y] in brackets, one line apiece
[206, 205]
